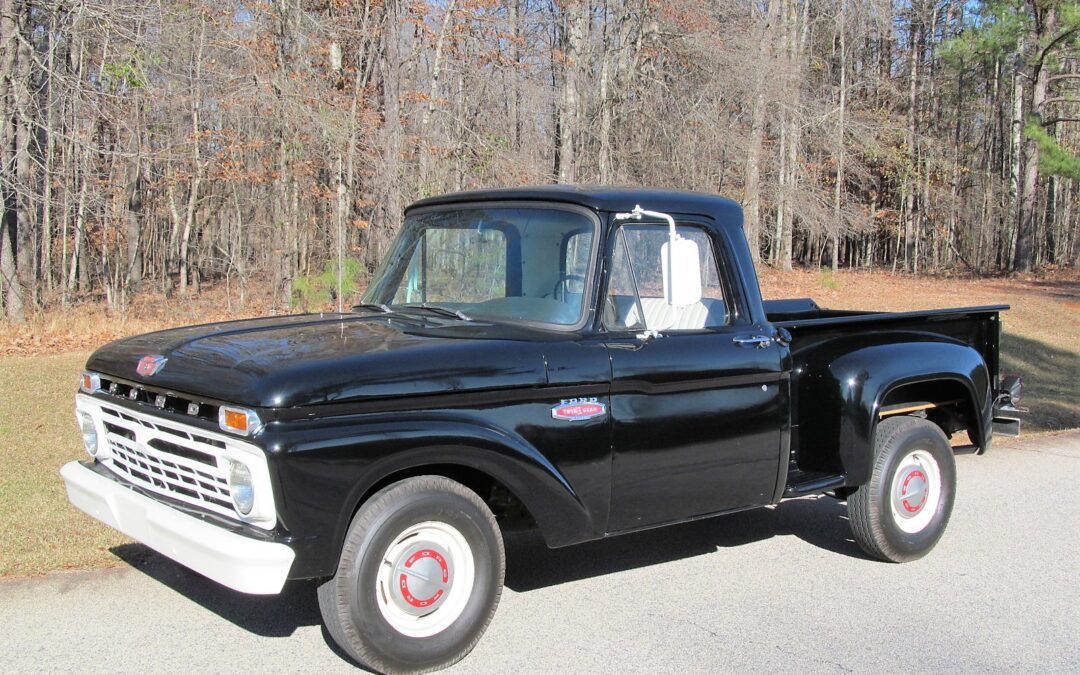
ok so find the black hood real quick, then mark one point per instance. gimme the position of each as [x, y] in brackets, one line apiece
[280, 362]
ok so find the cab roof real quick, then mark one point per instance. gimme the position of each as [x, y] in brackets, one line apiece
[603, 198]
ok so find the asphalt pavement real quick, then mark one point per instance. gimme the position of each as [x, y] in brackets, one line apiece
[776, 590]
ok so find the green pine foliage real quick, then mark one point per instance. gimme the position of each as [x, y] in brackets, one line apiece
[318, 290]
[994, 32]
[1054, 160]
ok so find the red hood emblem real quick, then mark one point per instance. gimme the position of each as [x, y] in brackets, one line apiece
[150, 365]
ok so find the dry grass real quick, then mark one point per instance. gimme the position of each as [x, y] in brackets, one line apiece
[40, 363]
[39, 530]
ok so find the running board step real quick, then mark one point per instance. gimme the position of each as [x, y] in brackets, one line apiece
[806, 483]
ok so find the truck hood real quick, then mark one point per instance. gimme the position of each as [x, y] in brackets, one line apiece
[281, 362]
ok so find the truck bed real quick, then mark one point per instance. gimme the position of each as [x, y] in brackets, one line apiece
[810, 324]
[818, 335]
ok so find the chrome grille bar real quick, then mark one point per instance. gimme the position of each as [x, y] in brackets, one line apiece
[178, 476]
[158, 456]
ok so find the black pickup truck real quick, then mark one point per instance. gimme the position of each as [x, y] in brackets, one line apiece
[588, 362]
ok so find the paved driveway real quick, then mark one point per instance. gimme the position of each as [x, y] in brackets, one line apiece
[778, 590]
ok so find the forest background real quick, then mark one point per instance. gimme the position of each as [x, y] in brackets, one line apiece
[162, 145]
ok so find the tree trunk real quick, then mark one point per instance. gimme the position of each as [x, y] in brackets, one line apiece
[795, 29]
[1023, 256]
[752, 182]
[196, 162]
[77, 271]
[1016, 157]
[515, 59]
[9, 273]
[607, 104]
[391, 134]
[841, 131]
[911, 187]
[424, 140]
[575, 25]
[49, 159]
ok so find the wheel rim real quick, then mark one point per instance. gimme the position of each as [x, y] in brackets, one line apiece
[425, 579]
[916, 488]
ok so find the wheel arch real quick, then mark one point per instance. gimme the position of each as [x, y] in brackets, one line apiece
[954, 404]
[493, 491]
[840, 408]
[538, 487]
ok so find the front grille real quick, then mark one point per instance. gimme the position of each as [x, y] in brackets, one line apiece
[167, 458]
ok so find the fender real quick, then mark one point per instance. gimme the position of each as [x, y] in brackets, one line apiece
[326, 470]
[843, 392]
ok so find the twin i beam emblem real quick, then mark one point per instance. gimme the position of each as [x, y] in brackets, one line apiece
[578, 409]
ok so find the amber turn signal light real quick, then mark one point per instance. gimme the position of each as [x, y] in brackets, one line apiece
[239, 420]
[90, 382]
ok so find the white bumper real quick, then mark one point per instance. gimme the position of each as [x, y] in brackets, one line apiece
[236, 561]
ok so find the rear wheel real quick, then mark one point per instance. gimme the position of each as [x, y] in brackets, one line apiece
[419, 578]
[902, 511]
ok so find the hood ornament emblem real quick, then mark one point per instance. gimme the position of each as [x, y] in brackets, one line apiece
[150, 365]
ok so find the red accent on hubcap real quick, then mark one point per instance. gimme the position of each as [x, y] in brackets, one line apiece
[403, 579]
[908, 506]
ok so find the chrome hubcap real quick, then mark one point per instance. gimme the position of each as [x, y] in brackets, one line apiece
[425, 579]
[911, 491]
[916, 487]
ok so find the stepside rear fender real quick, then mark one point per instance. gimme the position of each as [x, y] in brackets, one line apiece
[325, 472]
[844, 382]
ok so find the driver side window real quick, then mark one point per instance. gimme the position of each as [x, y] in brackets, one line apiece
[635, 299]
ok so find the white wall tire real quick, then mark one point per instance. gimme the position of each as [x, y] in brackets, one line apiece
[419, 578]
[902, 511]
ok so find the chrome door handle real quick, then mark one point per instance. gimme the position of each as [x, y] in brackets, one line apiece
[759, 341]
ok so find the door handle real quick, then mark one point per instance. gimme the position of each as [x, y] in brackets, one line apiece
[759, 341]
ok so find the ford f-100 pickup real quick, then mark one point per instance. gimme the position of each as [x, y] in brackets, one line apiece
[587, 362]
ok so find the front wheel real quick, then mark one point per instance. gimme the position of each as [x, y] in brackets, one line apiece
[902, 511]
[419, 577]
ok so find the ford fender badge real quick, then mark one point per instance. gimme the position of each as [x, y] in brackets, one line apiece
[150, 365]
[578, 409]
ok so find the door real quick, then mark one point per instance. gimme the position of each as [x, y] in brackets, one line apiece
[699, 398]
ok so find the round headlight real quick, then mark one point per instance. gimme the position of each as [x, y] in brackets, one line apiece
[89, 432]
[243, 492]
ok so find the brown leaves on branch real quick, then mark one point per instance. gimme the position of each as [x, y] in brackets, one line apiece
[188, 143]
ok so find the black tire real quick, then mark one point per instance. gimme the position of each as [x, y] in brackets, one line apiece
[898, 515]
[369, 617]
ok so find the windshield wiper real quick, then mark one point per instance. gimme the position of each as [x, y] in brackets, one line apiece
[437, 309]
[372, 307]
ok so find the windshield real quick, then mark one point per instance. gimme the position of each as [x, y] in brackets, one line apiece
[516, 263]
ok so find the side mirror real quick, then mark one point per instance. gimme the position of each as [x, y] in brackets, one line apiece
[682, 271]
[678, 259]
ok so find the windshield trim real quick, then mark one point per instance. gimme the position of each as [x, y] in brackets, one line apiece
[588, 307]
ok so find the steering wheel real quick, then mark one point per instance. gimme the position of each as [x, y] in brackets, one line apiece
[562, 286]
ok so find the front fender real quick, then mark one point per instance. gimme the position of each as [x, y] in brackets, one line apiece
[842, 393]
[325, 471]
